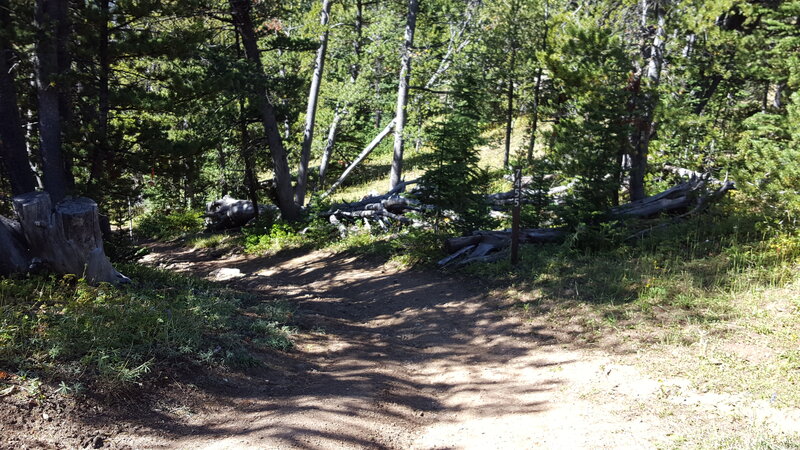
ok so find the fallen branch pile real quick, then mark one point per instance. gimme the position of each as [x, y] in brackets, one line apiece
[686, 199]
[380, 209]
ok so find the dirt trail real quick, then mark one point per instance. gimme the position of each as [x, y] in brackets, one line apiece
[400, 359]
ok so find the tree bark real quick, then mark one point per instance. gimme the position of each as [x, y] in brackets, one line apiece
[364, 153]
[509, 107]
[402, 93]
[100, 155]
[12, 139]
[47, 85]
[240, 10]
[12, 245]
[328, 152]
[311, 112]
[643, 129]
[67, 238]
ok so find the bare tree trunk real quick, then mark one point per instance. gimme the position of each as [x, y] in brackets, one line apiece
[240, 10]
[12, 140]
[55, 181]
[537, 90]
[402, 93]
[444, 64]
[100, 156]
[355, 69]
[328, 152]
[364, 153]
[509, 107]
[311, 112]
[643, 130]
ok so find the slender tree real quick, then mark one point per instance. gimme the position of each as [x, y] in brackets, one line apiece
[240, 10]
[12, 139]
[311, 113]
[402, 93]
[50, 15]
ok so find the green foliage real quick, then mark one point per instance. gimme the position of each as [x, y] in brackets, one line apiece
[590, 70]
[268, 235]
[170, 224]
[454, 182]
[67, 329]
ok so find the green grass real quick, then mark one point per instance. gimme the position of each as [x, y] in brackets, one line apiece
[715, 300]
[65, 329]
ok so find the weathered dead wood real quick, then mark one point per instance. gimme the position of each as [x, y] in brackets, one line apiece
[66, 238]
[229, 212]
[15, 257]
[484, 243]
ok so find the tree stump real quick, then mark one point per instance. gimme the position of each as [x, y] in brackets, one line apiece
[68, 238]
[15, 257]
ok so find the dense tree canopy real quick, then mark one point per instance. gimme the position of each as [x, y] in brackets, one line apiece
[181, 101]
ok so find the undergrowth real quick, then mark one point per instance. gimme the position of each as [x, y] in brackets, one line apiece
[62, 328]
[166, 225]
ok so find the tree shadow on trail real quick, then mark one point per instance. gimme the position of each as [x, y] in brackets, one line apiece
[380, 352]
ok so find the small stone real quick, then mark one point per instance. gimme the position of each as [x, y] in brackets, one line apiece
[46, 416]
[225, 274]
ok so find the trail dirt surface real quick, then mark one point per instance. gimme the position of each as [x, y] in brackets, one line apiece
[391, 358]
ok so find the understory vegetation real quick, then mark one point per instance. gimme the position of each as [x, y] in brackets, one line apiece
[64, 330]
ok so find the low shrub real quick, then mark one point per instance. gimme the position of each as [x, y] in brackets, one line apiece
[169, 225]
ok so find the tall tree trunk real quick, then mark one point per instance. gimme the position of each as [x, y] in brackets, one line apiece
[240, 10]
[537, 90]
[65, 90]
[250, 181]
[643, 129]
[12, 139]
[402, 94]
[328, 152]
[444, 64]
[364, 153]
[47, 85]
[311, 112]
[100, 154]
[355, 68]
[509, 107]
[247, 155]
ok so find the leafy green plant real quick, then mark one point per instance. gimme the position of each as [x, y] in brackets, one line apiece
[169, 225]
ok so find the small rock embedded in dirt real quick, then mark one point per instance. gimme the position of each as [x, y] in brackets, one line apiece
[225, 274]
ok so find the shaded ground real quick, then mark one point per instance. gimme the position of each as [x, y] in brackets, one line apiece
[387, 358]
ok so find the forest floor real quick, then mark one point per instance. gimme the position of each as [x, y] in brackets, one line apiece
[387, 357]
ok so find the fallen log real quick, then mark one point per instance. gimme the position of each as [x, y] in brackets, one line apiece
[687, 198]
[229, 212]
[692, 193]
[482, 243]
[66, 238]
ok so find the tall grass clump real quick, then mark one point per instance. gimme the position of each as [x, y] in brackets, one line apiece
[65, 328]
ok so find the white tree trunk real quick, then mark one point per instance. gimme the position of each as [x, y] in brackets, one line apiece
[402, 93]
[311, 112]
